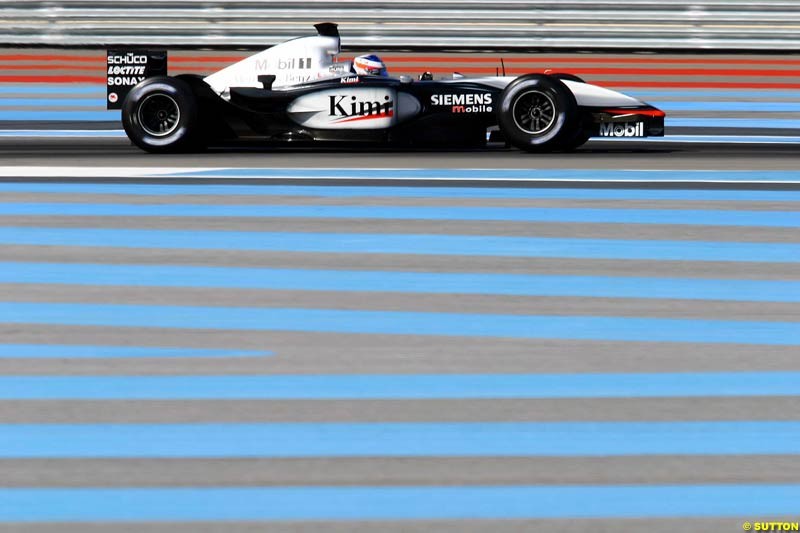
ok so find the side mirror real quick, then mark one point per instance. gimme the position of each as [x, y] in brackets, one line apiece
[266, 81]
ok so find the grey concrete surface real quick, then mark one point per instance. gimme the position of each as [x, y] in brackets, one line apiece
[576, 230]
[786, 408]
[391, 301]
[595, 155]
[446, 471]
[402, 262]
[685, 525]
[325, 353]
[388, 200]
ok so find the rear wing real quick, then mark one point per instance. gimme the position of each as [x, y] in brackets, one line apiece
[126, 68]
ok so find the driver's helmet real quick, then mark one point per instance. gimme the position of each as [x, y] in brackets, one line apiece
[369, 65]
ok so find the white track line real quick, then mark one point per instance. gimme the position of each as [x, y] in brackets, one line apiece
[401, 176]
[95, 172]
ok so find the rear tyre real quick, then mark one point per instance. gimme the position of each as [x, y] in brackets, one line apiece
[538, 113]
[160, 116]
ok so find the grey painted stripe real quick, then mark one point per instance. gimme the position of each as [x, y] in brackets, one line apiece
[314, 211]
[688, 95]
[388, 301]
[765, 116]
[98, 94]
[319, 353]
[377, 199]
[399, 471]
[421, 227]
[695, 525]
[52, 68]
[496, 410]
[400, 262]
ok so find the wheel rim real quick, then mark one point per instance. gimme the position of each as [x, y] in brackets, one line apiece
[159, 115]
[534, 112]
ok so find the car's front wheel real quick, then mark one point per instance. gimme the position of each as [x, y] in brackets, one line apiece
[538, 113]
[160, 115]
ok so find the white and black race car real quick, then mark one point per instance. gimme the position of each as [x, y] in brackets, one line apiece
[297, 91]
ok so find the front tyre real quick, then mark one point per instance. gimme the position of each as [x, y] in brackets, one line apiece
[538, 113]
[160, 115]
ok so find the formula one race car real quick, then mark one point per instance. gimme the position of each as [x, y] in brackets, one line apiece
[298, 91]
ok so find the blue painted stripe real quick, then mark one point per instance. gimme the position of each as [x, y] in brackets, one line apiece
[404, 192]
[405, 323]
[50, 101]
[114, 134]
[400, 282]
[491, 246]
[294, 503]
[97, 91]
[85, 116]
[509, 214]
[707, 122]
[399, 439]
[753, 107]
[406, 387]
[709, 139]
[75, 351]
[509, 174]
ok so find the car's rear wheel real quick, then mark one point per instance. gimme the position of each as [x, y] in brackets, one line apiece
[160, 115]
[538, 113]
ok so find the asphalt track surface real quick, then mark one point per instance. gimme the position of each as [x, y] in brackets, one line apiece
[594, 155]
[69, 281]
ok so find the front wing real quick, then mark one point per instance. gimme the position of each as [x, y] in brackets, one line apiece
[643, 121]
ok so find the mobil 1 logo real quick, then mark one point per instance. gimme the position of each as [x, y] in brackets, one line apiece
[622, 129]
[125, 69]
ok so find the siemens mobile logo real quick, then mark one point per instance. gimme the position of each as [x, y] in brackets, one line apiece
[464, 103]
[462, 99]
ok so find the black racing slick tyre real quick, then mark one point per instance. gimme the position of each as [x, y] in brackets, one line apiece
[160, 115]
[537, 113]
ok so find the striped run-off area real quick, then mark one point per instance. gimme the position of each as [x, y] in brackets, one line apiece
[200, 355]
[715, 94]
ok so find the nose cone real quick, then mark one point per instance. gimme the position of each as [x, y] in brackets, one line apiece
[588, 95]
